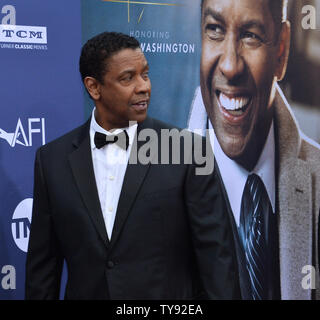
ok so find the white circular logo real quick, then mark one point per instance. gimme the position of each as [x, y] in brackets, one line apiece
[20, 225]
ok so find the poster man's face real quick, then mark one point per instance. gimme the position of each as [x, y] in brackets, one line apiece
[241, 61]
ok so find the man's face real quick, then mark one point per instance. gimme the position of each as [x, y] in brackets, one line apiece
[239, 66]
[125, 93]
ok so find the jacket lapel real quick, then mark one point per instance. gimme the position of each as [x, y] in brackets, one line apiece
[82, 169]
[134, 177]
[294, 204]
[295, 228]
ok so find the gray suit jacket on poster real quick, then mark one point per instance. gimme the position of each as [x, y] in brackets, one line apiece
[298, 199]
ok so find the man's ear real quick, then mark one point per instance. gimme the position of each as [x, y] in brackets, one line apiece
[283, 50]
[93, 87]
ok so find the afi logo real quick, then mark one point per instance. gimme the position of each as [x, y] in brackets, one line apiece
[19, 136]
[20, 225]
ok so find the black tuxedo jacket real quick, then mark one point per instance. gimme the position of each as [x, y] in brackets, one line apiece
[161, 217]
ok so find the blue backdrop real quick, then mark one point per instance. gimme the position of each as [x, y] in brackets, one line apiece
[41, 98]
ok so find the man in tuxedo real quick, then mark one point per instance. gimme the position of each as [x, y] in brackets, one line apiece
[126, 230]
[269, 169]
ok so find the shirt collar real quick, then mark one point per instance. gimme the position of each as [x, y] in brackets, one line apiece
[95, 127]
[235, 176]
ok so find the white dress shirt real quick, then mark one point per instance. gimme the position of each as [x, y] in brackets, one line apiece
[235, 176]
[109, 164]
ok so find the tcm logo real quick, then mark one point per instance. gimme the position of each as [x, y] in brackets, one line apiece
[24, 136]
[24, 34]
[20, 225]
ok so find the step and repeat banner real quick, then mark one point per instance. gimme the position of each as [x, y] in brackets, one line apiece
[41, 99]
[42, 95]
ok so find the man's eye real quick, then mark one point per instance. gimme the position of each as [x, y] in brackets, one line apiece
[251, 39]
[214, 31]
[145, 75]
[126, 78]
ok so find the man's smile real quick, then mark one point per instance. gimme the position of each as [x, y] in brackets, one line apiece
[233, 105]
[140, 105]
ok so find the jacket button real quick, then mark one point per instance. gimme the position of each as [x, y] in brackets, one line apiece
[110, 264]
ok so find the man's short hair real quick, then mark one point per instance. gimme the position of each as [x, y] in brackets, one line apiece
[96, 52]
[278, 9]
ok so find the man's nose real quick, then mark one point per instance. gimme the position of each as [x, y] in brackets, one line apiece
[143, 85]
[231, 63]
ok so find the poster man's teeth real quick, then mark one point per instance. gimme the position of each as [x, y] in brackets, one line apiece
[234, 103]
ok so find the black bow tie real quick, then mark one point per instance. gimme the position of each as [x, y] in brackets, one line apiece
[121, 139]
